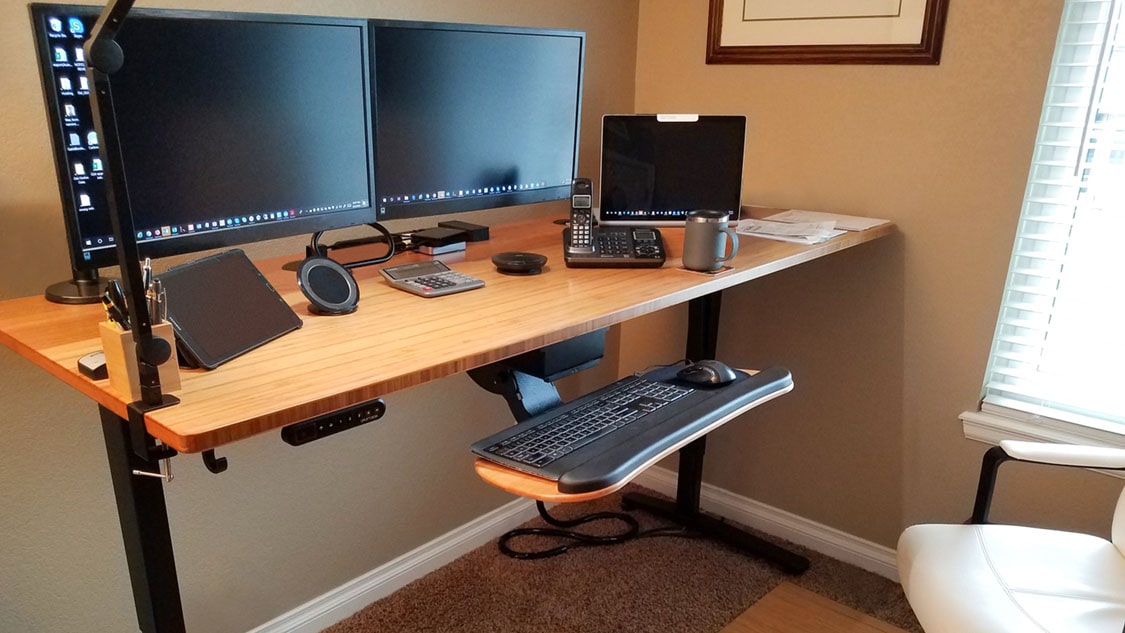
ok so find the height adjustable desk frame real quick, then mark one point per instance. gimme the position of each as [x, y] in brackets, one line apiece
[529, 394]
[702, 343]
[510, 316]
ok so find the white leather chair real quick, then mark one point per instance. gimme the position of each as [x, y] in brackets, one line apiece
[986, 578]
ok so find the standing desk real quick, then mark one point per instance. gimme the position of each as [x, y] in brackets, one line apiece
[390, 343]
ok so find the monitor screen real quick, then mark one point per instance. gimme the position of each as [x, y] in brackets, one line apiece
[658, 168]
[233, 127]
[474, 117]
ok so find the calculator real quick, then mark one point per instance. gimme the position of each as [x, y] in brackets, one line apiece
[429, 279]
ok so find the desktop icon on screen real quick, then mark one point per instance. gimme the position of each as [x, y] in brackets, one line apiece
[76, 26]
[64, 84]
[55, 25]
[60, 55]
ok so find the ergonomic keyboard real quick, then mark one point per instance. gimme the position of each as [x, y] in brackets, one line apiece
[627, 401]
[607, 436]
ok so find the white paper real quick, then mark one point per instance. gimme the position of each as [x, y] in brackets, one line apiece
[845, 222]
[803, 233]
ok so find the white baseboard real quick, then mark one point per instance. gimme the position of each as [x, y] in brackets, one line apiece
[829, 541]
[328, 609]
[345, 600]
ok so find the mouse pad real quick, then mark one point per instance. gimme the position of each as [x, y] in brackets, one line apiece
[222, 307]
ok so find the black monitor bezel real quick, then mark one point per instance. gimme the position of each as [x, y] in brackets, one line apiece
[491, 201]
[207, 240]
[654, 217]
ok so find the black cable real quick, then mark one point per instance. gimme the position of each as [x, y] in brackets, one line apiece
[579, 539]
[316, 249]
[401, 242]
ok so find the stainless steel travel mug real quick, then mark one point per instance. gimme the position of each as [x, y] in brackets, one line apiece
[705, 234]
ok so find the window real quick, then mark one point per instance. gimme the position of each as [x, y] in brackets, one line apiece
[1058, 356]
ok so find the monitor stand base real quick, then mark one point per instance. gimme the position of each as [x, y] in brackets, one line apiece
[84, 287]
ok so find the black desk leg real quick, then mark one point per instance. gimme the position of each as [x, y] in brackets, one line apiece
[703, 326]
[702, 342]
[144, 528]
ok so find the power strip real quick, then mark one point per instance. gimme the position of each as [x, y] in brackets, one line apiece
[331, 423]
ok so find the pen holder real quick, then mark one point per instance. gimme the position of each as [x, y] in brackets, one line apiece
[121, 360]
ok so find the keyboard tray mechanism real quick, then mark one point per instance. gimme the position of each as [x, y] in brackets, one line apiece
[612, 434]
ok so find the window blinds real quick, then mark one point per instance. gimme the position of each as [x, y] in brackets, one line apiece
[1059, 348]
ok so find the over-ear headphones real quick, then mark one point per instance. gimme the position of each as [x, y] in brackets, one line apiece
[327, 284]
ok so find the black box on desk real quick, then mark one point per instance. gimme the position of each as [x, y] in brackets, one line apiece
[561, 359]
[473, 232]
[437, 237]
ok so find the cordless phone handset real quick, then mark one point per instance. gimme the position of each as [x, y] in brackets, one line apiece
[581, 215]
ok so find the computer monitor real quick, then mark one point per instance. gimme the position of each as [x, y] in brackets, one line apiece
[233, 128]
[658, 168]
[474, 117]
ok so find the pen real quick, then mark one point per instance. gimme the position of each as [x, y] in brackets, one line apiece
[113, 312]
[146, 274]
[117, 307]
[157, 302]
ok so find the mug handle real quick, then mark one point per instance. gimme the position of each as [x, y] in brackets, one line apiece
[733, 243]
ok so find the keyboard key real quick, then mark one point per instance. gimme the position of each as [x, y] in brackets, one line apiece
[558, 436]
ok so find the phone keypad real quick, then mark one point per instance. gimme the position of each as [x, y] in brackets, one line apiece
[615, 244]
[580, 228]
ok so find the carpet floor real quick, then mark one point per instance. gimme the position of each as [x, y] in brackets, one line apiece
[661, 584]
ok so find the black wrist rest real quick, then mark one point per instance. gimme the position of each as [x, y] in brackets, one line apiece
[613, 461]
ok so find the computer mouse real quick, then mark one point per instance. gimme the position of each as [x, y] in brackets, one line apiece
[707, 373]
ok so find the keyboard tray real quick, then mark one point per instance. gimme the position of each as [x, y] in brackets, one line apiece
[611, 461]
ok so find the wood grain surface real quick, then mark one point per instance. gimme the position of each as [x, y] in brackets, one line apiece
[394, 340]
[791, 609]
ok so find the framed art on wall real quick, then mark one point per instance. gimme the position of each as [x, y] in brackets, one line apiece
[825, 31]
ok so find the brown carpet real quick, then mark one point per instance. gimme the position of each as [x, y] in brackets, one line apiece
[657, 585]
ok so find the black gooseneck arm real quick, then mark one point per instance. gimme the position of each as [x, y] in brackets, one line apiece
[104, 58]
[140, 500]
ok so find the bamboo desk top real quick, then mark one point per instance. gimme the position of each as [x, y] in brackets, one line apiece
[395, 339]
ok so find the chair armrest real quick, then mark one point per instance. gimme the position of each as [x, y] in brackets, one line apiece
[1066, 454]
[1071, 455]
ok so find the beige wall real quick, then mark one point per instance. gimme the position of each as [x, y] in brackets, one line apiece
[887, 343]
[282, 525]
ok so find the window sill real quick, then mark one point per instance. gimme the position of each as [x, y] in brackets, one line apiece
[996, 423]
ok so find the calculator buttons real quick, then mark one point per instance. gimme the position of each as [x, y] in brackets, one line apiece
[433, 285]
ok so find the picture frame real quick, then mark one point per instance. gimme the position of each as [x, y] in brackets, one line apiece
[825, 31]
